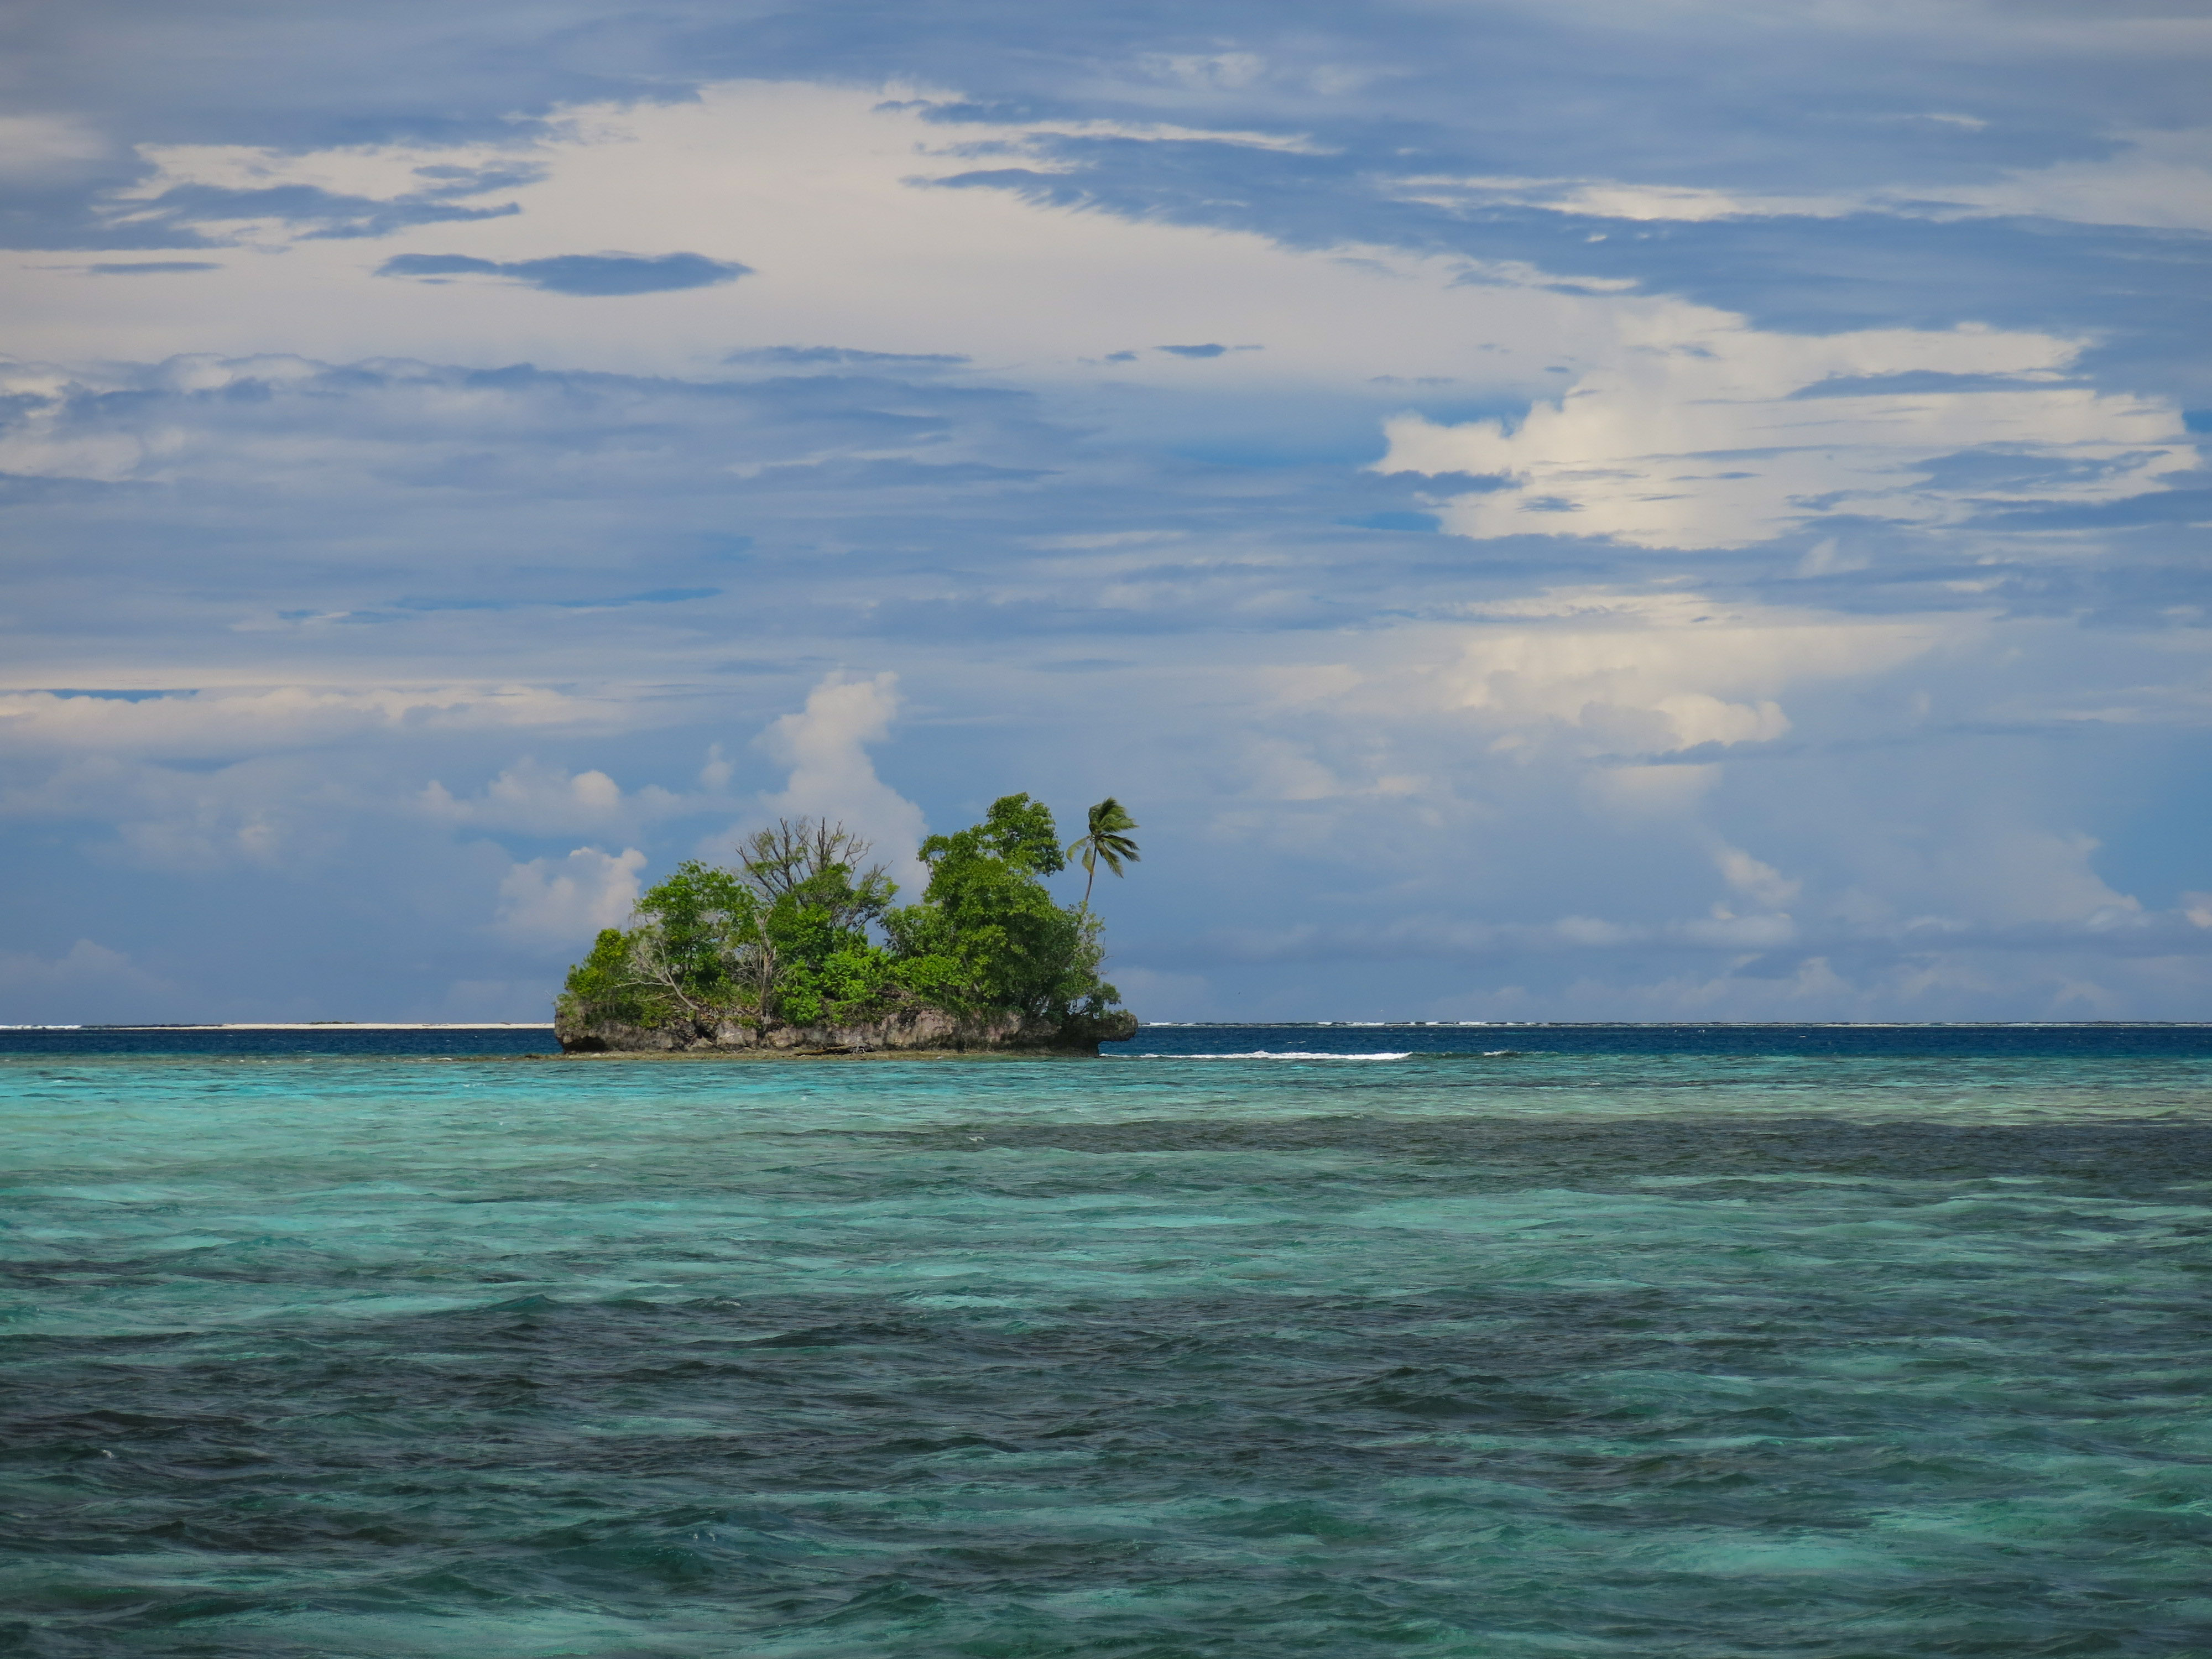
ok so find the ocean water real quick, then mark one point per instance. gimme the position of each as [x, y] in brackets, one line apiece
[1709, 1341]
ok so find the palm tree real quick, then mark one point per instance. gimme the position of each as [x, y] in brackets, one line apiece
[1103, 843]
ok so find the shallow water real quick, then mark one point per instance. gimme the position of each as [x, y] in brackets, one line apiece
[1648, 1350]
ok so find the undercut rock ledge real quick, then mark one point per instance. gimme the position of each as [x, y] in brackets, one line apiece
[907, 1031]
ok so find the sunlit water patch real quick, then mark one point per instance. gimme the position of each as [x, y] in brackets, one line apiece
[1625, 1353]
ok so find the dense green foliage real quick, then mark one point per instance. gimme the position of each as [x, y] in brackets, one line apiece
[800, 933]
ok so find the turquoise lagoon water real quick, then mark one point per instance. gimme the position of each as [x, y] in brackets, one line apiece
[1633, 1342]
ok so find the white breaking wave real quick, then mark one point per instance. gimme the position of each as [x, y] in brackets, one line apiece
[1272, 1053]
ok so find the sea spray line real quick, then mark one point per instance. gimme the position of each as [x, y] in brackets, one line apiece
[1270, 1054]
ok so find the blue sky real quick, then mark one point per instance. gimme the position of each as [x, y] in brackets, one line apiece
[1577, 510]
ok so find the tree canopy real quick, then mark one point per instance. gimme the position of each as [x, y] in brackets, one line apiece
[803, 931]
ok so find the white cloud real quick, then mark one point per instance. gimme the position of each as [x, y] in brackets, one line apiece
[832, 196]
[1637, 792]
[1276, 768]
[265, 812]
[37, 148]
[831, 776]
[1989, 872]
[209, 832]
[1604, 671]
[1605, 198]
[1761, 883]
[545, 801]
[376, 172]
[256, 720]
[87, 984]
[2156, 180]
[528, 796]
[1689, 435]
[1221, 71]
[566, 901]
[1024, 135]
[1499, 765]
[2160, 181]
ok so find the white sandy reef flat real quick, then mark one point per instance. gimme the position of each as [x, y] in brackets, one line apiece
[353, 1025]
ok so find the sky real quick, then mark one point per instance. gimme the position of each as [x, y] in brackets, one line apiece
[1541, 509]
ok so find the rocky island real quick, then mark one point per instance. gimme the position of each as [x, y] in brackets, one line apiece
[799, 948]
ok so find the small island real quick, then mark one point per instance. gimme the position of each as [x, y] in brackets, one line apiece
[799, 948]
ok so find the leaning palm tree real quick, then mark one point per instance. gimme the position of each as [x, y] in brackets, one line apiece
[1104, 843]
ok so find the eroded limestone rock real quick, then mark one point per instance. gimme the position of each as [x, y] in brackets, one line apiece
[909, 1030]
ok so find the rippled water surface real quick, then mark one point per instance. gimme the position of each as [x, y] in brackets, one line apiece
[1777, 1346]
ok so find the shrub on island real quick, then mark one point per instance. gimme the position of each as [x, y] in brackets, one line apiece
[799, 948]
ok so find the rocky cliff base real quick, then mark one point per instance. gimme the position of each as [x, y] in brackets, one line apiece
[907, 1031]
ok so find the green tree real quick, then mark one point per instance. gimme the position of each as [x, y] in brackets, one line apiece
[819, 862]
[1104, 843]
[697, 949]
[986, 934]
[817, 903]
[786, 935]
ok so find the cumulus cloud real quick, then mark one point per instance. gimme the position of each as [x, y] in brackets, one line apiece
[1761, 883]
[826, 746]
[87, 984]
[564, 902]
[1622, 673]
[544, 800]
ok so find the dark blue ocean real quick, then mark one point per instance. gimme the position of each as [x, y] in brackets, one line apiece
[1248, 1342]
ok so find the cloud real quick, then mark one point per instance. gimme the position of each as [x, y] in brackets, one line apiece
[152, 267]
[2157, 178]
[825, 744]
[857, 250]
[1696, 435]
[1624, 674]
[178, 215]
[1761, 883]
[1463, 721]
[2153, 179]
[577, 273]
[1819, 630]
[87, 984]
[541, 801]
[41, 148]
[845, 357]
[262, 719]
[564, 902]
[194, 194]
[1195, 350]
[538, 800]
